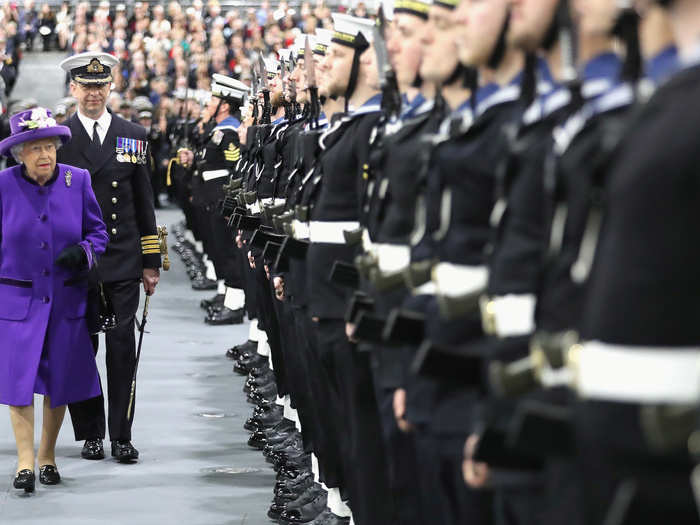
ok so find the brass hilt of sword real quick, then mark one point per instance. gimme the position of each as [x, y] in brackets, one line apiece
[163, 240]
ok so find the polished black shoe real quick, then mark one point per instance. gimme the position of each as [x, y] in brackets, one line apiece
[259, 371]
[328, 518]
[225, 316]
[124, 451]
[93, 449]
[306, 513]
[208, 303]
[304, 480]
[25, 479]
[48, 475]
[202, 283]
[235, 352]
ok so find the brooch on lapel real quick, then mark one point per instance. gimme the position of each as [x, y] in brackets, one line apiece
[69, 178]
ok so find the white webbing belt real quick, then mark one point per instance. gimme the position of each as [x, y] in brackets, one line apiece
[300, 229]
[457, 280]
[510, 315]
[637, 374]
[331, 232]
[213, 174]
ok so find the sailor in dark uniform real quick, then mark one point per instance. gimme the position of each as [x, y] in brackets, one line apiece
[345, 149]
[637, 370]
[212, 167]
[115, 151]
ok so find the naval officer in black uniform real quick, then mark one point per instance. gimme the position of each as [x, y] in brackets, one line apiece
[115, 151]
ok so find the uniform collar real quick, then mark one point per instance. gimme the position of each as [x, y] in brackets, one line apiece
[229, 121]
[103, 122]
[662, 65]
[412, 106]
[371, 105]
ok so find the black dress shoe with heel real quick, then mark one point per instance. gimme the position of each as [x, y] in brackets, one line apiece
[93, 449]
[25, 479]
[48, 475]
[124, 452]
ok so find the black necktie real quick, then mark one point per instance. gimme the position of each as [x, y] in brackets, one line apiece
[95, 137]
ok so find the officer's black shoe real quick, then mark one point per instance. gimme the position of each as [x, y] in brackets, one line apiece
[306, 513]
[275, 511]
[240, 369]
[207, 303]
[124, 452]
[25, 479]
[48, 475]
[225, 316]
[93, 449]
[252, 359]
[202, 283]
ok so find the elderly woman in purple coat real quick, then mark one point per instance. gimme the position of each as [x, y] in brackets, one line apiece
[51, 229]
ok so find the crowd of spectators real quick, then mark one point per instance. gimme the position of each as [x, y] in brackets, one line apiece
[163, 48]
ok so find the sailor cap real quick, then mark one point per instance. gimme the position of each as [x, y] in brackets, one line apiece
[352, 31]
[227, 87]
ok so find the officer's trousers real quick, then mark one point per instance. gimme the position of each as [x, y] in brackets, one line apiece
[88, 416]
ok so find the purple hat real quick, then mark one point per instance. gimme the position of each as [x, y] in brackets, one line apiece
[32, 124]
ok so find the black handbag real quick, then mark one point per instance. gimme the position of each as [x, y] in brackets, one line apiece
[101, 316]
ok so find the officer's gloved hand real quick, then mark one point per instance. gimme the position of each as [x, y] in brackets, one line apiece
[72, 258]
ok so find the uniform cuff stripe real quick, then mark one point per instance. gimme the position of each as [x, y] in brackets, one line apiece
[148, 252]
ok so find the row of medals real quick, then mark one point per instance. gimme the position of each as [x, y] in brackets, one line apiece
[133, 158]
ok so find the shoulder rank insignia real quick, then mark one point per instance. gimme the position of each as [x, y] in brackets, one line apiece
[69, 178]
[217, 136]
[233, 153]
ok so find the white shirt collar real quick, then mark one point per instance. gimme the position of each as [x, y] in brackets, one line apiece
[102, 124]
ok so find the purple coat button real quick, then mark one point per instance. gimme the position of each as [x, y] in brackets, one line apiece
[45, 299]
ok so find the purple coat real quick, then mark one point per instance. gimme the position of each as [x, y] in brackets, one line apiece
[45, 346]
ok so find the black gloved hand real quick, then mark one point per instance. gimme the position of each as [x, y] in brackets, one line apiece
[72, 258]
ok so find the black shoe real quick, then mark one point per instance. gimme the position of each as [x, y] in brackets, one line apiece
[202, 283]
[310, 494]
[224, 317]
[48, 475]
[93, 449]
[308, 512]
[124, 451]
[25, 479]
[259, 371]
[328, 518]
[235, 352]
[208, 303]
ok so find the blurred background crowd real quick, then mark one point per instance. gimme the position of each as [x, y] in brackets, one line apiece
[168, 51]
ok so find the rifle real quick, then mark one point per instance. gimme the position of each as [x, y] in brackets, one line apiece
[391, 96]
[267, 109]
[310, 67]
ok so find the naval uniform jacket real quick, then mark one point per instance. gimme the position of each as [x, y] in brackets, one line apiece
[215, 161]
[342, 165]
[123, 190]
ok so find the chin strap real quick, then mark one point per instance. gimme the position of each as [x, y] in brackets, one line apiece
[627, 29]
[499, 50]
[360, 46]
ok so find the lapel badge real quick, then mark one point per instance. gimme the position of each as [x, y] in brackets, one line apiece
[69, 178]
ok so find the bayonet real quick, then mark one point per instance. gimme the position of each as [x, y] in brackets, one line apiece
[391, 97]
[267, 110]
[310, 69]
